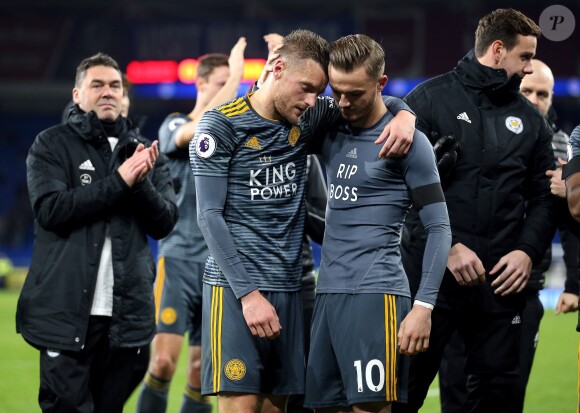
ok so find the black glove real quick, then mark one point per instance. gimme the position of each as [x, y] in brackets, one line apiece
[446, 150]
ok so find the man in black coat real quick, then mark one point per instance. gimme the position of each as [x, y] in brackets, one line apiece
[97, 189]
[500, 208]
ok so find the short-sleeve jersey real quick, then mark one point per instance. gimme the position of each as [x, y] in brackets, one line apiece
[265, 163]
[186, 241]
[368, 199]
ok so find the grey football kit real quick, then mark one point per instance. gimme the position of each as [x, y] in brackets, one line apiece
[182, 254]
[250, 174]
[362, 287]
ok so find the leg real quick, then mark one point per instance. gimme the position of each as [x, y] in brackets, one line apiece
[324, 387]
[366, 373]
[193, 401]
[452, 378]
[531, 317]
[423, 367]
[173, 294]
[66, 384]
[237, 403]
[273, 404]
[372, 408]
[492, 361]
[141, 365]
[165, 350]
[64, 381]
[110, 378]
[176, 293]
[307, 294]
[346, 409]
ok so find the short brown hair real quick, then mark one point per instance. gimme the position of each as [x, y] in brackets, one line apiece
[504, 25]
[207, 63]
[355, 50]
[302, 44]
[127, 85]
[100, 59]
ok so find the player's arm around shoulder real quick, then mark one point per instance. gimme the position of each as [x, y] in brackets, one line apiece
[398, 133]
[322, 116]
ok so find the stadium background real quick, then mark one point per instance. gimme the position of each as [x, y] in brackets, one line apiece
[41, 43]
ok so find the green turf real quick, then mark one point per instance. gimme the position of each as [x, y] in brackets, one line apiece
[552, 386]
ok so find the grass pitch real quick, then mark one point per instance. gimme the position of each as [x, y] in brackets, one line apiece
[552, 386]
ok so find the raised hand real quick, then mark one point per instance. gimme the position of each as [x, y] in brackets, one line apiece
[136, 168]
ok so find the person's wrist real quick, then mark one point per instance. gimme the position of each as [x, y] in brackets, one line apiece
[423, 304]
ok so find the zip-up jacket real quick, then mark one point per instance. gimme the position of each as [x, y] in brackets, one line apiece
[498, 194]
[75, 191]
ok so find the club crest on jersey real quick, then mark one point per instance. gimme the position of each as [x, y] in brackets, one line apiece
[294, 135]
[514, 124]
[235, 369]
[168, 315]
[205, 145]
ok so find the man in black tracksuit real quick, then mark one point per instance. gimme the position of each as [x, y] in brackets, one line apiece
[499, 203]
[97, 189]
[537, 88]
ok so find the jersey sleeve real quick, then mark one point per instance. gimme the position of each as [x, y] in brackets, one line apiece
[420, 101]
[395, 105]
[211, 197]
[315, 199]
[211, 149]
[323, 115]
[210, 152]
[422, 179]
[167, 132]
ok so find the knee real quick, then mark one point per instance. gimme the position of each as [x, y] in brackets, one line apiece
[194, 371]
[163, 366]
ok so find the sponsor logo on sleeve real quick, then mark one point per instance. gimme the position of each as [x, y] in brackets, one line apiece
[205, 145]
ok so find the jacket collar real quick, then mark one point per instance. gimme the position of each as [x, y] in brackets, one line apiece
[89, 127]
[492, 82]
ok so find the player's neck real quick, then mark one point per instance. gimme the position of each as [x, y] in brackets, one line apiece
[375, 115]
[263, 105]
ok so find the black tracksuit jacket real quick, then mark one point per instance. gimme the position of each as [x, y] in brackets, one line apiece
[498, 195]
[73, 201]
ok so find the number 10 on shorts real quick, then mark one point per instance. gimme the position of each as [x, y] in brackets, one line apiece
[369, 375]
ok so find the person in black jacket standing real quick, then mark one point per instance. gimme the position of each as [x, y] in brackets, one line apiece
[538, 88]
[500, 208]
[97, 189]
